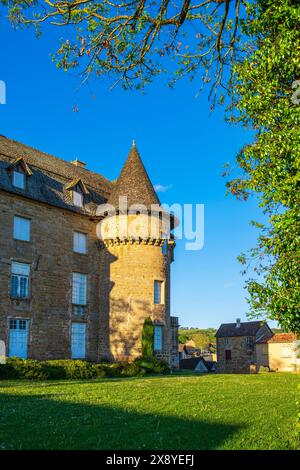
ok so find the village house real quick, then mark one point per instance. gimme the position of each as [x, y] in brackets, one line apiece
[236, 345]
[279, 353]
[64, 292]
[246, 347]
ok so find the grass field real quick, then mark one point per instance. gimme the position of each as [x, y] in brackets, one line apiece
[170, 412]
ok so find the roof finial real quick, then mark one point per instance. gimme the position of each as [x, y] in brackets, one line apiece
[133, 143]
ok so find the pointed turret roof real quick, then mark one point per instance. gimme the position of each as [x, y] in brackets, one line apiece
[134, 183]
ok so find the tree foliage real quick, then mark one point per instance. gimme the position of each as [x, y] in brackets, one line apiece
[132, 41]
[262, 88]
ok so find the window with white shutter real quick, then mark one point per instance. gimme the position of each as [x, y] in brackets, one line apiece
[80, 243]
[79, 289]
[21, 228]
[19, 280]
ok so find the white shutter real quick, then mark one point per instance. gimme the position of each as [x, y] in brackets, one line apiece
[21, 229]
[80, 242]
[79, 289]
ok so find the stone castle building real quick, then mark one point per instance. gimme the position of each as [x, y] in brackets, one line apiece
[73, 285]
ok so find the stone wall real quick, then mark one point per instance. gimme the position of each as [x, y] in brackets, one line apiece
[242, 356]
[132, 268]
[279, 357]
[52, 261]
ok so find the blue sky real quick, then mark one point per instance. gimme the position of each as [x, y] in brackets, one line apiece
[183, 145]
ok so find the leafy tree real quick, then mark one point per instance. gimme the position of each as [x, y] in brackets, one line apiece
[183, 339]
[201, 340]
[262, 87]
[257, 42]
[132, 42]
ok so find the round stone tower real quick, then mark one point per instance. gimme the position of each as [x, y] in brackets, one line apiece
[137, 251]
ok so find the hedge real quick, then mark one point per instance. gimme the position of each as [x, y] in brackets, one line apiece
[31, 369]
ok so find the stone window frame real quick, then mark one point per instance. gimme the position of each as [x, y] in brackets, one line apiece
[228, 355]
[28, 296]
[81, 232]
[29, 220]
[75, 306]
[162, 328]
[162, 291]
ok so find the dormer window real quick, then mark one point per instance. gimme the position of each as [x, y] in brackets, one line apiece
[18, 179]
[78, 191]
[19, 170]
[77, 199]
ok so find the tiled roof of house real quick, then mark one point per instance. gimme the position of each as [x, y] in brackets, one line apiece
[280, 338]
[245, 329]
[50, 178]
[134, 183]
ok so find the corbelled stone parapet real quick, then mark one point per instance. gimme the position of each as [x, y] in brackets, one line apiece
[138, 241]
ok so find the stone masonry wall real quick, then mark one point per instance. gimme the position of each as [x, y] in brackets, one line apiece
[241, 355]
[50, 254]
[130, 293]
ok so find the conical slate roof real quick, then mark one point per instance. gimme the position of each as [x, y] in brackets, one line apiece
[134, 183]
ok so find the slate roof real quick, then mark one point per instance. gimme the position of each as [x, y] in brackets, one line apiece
[246, 329]
[191, 363]
[50, 177]
[134, 183]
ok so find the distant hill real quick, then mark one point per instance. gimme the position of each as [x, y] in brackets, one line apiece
[202, 336]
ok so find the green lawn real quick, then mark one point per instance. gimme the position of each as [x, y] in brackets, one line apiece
[170, 412]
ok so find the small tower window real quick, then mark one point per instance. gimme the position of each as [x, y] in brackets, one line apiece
[77, 199]
[158, 292]
[18, 179]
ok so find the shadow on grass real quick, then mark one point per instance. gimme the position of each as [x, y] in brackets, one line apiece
[42, 422]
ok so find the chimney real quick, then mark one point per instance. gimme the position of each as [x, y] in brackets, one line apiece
[238, 322]
[78, 163]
